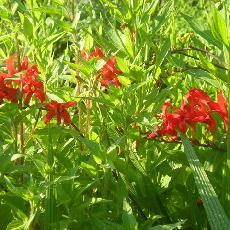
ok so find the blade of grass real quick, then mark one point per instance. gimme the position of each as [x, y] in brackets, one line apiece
[216, 215]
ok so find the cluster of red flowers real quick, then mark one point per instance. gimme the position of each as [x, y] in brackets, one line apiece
[23, 83]
[196, 107]
[108, 73]
[26, 80]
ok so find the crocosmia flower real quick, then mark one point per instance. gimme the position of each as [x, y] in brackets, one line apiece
[196, 107]
[220, 107]
[109, 72]
[27, 81]
[7, 92]
[59, 111]
[31, 86]
[11, 67]
[171, 123]
[97, 53]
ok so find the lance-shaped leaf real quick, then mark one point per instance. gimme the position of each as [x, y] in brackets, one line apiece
[216, 215]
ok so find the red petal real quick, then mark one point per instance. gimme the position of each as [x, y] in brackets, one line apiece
[58, 118]
[97, 53]
[25, 64]
[66, 117]
[28, 98]
[84, 54]
[53, 105]
[40, 95]
[48, 117]
[152, 135]
[69, 104]
[10, 65]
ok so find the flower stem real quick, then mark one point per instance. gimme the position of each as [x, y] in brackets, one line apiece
[88, 108]
[78, 86]
[34, 127]
[21, 125]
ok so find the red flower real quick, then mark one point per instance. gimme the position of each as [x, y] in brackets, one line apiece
[28, 81]
[196, 107]
[58, 110]
[31, 86]
[11, 68]
[109, 72]
[7, 92]
[172, 122]
[220, 107]
[97, 53]
[197, 110]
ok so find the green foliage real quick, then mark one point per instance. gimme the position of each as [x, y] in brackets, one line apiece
[102, 171]
[215, 212]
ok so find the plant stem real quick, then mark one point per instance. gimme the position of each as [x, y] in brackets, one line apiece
[79, 103]
[78, 86]
[34, 127]
[88, 108]
[21, 125]
[222, 65]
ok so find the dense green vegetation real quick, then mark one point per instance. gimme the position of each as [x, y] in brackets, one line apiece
[87, 138]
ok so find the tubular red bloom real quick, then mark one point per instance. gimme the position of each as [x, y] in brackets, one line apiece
[11, 68]
[171, 123]
[196, 107]
[58, 110]
[7, 92]
[220, 107]
[31, 86]
[109, 72]
[110, 68]
[97, 53]
[28, 81]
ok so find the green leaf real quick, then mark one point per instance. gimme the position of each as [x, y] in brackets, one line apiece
[88, 42]
[15, 225]
[18, 191]
[207, 35]
[50, 10]
[164, 15]
[4, 13]
[128, 42]
[121, 63]
[16, 156]
[95, 150]
[27, 28]
[215, 212]
[167, 226]
[84, 67]
[129, 221]
[219, 27]
[161, 55]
